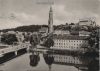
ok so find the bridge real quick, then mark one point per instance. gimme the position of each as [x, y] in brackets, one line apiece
[16, 49]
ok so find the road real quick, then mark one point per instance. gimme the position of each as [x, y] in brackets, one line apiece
[21, 63]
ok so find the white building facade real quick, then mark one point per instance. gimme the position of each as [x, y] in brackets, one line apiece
[72, 43]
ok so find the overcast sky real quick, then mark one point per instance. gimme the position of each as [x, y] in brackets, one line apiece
[15, 13]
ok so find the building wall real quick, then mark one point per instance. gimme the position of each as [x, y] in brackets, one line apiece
[58, 32]
[86, 22]
[20, 37]
[69, 44]
[84, 33]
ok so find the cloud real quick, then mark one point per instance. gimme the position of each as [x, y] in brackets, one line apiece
[28, 12]
[6, 23]
[15, 19]
[61, 14]
[28, 19]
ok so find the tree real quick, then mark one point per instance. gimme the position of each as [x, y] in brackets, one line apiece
[49, 42]
[93, 40]
[9, 39]
[72, 24]
[34, 39]
[66, 23]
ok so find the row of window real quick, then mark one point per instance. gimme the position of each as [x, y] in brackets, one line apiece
[78, 48]
[66, 47]
[67, 44]
[70, 41]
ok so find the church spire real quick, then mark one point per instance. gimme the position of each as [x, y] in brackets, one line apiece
[51, 9]
[50, 21]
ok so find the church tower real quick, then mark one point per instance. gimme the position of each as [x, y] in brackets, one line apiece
[50, 21]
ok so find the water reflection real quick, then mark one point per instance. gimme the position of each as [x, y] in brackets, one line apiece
[83, 63]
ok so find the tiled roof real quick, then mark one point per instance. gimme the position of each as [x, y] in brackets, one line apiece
[70, 37]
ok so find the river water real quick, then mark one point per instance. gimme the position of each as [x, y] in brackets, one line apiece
[22, 63]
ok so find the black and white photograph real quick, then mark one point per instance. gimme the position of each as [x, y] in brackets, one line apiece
[49, 35]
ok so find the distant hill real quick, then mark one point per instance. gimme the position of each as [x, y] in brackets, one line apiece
[30, 28]
[34, 28]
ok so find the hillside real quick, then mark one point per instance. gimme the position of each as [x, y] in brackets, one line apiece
[30, 28]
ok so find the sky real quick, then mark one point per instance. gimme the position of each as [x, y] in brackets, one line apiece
[14, 13]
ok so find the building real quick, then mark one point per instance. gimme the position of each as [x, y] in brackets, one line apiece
[74, 32]
[11, 32]
[50, 21]
[61, 32]
[20, 36]
[46, 31]
[86, 22]
[43, 31]
[84, 33]
[71, 42]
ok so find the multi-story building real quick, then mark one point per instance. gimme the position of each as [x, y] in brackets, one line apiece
[58, 32]
[84, 33]
[71, 42]
[43, 31]
[86, 22]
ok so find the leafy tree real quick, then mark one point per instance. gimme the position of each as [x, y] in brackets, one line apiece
[66, 23]
[49, 42]
[9, 39]
[34, 39]
[93, 40]
[72, 24]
